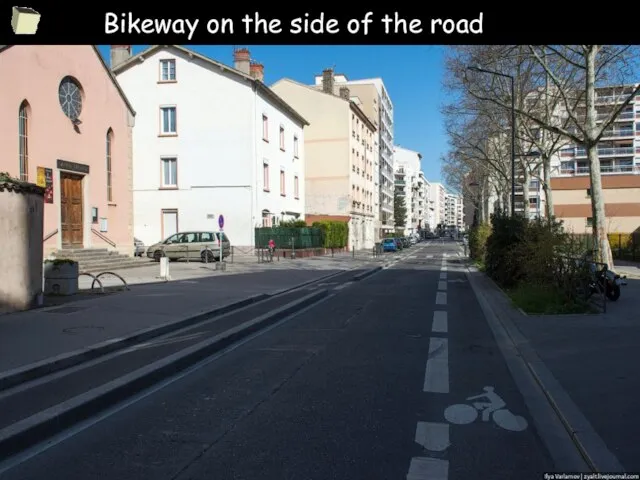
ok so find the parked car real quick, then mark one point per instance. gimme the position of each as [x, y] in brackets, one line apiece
[389, 245]
[138, 248]
[399, 244]
[202, 246]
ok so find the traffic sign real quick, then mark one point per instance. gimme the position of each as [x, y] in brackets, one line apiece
[221, 222]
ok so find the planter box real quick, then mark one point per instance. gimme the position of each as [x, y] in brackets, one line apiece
[61, 278]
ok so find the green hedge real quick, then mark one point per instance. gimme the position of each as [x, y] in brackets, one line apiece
[335, 234]
[286, 237]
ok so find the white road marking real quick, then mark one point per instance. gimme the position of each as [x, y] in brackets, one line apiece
[436, 377]
[344, 285]
[433, 436]
[444, 268]
[424, 468]
[445, 254]
[413, 256]
[439, 321]
[441, 298]
[429, 256]
[442, 285]
[443, 276]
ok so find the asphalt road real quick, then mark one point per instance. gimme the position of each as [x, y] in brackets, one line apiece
[355, 387]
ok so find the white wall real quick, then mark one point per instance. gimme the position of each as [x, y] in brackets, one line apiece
[219, 148]
[278, 159]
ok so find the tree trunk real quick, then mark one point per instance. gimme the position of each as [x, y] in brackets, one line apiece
[546, 185]
[600, 238]
[525, 192]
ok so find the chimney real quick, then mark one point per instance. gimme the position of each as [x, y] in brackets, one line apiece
[257, 71]
[327, 80]
[345, 93]
[242, 60]
[119, 54]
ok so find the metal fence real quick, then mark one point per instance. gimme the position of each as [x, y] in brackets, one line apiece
[624, 246]
[288, 237]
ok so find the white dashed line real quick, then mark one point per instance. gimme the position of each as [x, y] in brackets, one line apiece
[423, 468]
[436, 377]
[442, 285]
[441, 298]
[429, 256]
[439, 321]
[433, 436]
[443, 276]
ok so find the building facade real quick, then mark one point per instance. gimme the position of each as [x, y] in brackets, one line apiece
[210, 140]
[373, 98]
[454, 212]
[438, 196]
[67, 126]
[340, 155]
[619, 153]
[410, 184]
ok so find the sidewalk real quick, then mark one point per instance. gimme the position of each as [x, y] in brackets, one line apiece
[241, 265]
[27, 337]
[590, 369]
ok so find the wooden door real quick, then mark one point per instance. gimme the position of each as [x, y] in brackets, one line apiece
[71, 210]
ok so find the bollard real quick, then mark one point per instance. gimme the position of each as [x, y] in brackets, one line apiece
[164, 268]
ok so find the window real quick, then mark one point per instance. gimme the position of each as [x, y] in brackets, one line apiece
[108, 155]
[295, 146]
[296, 187]
[168, 70]
[206, 237]
[23, 143]
[170, 172]
[588, 192]
[265, 128]
[589, 221]
[282, 185]
[168, 121]
[282, 138]
[265, 176]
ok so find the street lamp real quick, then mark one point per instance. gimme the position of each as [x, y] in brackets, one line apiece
[513, 130]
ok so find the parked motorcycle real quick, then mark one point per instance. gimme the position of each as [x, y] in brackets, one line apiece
[604, 280]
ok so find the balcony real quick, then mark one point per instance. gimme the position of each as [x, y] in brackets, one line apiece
[612, 98]
[608, 152]
[617, 133]
[399, 183]
[613, 169]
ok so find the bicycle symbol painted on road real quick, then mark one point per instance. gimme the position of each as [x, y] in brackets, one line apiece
[493, 407]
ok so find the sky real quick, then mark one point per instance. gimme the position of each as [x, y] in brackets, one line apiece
[411, 74]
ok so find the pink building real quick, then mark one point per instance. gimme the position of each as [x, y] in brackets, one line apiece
[66, 124]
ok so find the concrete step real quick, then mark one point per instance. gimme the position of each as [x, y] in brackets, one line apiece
[81, 252]
[98, 258]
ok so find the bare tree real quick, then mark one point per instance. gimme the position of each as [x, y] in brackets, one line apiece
[571, 74]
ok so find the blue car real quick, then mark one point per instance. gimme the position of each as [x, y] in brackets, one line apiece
[389, 245]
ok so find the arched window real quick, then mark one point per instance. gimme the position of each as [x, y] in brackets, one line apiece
[108, 155]
[23, 140]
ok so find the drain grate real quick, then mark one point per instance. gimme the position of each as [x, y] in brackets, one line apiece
[66, 310]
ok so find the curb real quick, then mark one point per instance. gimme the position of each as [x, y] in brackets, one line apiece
[33, 371]
[592, 449]
[367, 273]
[47, 423]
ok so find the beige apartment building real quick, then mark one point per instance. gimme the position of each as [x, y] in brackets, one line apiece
[340, 157]
[619, 153]
[372, 97]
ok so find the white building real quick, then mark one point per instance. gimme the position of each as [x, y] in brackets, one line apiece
[372, 97]
[209, 140]
[428, 223]
[454, 212]
[438, 197]
[409, 183]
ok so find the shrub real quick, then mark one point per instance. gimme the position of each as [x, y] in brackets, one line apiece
[335, 234]
[478, 237]
[293, 224]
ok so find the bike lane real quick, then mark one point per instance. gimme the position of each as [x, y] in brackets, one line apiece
[452, 439]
